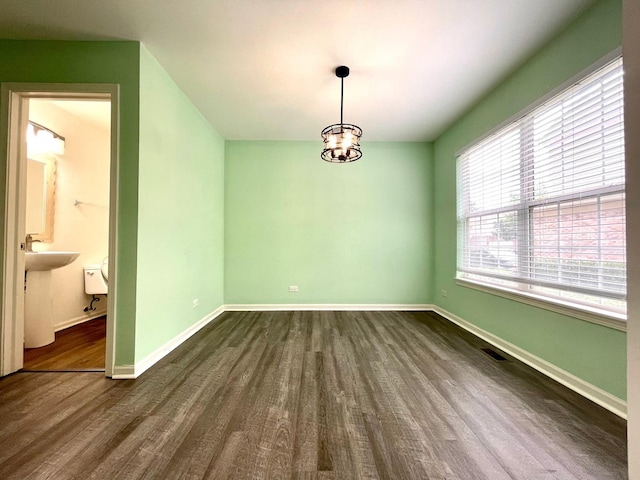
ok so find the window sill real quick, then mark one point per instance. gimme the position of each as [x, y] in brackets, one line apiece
[593, 315]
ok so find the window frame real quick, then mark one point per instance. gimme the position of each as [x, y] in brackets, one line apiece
[521, 291]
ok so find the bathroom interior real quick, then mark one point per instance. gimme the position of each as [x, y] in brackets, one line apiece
[67, 211]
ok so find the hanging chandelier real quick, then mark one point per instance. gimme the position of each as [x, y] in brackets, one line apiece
[341, 140]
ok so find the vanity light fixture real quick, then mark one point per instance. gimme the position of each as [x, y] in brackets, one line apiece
[44, 139]
[341, 140]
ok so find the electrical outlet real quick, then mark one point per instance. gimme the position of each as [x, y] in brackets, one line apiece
[443, 293]
[293, 289]
[196, 302]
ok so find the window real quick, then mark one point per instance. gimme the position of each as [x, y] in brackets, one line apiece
[541, 205]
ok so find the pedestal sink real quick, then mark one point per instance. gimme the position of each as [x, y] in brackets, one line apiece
[43, 261]
[38, 308]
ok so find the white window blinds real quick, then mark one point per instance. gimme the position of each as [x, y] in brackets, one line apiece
[541, 202]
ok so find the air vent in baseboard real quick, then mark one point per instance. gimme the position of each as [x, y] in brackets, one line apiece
[493, 354]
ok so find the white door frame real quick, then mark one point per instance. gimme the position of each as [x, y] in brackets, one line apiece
[13, 122]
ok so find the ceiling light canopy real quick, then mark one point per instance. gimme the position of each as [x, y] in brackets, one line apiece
[341, 140]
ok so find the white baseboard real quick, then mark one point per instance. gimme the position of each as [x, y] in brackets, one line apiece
[78, 320]
[155, 356]
[339, 307]
[124, 372]
[593, 393]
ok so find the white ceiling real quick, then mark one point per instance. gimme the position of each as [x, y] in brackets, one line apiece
[264, 69]
[97, 112]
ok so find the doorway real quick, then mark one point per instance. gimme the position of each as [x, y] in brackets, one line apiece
[85, 223]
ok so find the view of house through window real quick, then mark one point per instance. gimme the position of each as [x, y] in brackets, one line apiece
[541, 206]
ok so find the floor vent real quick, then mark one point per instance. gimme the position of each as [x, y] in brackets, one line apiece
[493, 354]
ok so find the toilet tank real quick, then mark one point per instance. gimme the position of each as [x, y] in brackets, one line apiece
[94, 283]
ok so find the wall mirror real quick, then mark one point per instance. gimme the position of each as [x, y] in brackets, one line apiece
[41, 184]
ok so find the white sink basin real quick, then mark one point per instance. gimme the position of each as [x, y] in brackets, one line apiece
[40, 261]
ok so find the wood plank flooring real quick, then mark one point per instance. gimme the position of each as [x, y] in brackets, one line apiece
[311, 395]
[77, 348]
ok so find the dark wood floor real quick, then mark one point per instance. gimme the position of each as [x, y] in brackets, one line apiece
[311, 395]
[77, 348]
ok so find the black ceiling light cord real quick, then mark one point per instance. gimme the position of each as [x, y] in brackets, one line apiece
[341, 140]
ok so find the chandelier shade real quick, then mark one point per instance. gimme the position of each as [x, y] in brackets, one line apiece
[341, 140]
[341, 143]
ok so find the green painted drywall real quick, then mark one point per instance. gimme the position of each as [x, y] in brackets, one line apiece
[94, 62]
[594, 353]
[180, 218]
[354, 233]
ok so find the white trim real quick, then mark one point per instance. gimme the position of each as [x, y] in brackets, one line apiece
[578, 385]
[123, 372]
[12, 326]
[13, 121]
[256, 307]
[158, 354]
[606, 320]
[587, 390]
[78, 320]
[114, 182]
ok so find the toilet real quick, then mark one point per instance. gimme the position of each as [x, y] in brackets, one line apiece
[105, 268]
[95, 278]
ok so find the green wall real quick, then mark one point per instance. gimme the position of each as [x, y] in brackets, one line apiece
[171, 181]
[239, 223]
[93, 62]
[358, 233]
[180, 219]
[594, 353]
